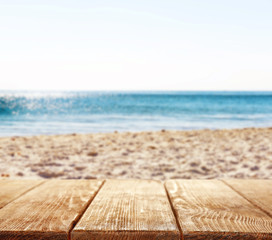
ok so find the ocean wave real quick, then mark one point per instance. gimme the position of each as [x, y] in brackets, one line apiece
[64, 112]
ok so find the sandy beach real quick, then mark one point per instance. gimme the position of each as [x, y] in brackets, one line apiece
[204, 154]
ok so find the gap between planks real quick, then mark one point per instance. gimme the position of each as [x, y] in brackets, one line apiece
[129, 209]
[191, 230]
[23, 193]
[246, 198]
[26, 192]
[74, 222]
[173, 211]
[48, 210]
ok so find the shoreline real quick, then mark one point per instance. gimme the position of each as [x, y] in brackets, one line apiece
[166, 154]
[135, 131]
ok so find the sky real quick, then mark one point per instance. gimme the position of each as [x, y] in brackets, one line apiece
[135, 45]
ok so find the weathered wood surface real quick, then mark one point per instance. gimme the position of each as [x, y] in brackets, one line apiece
[209, 209]
[12, 189]
[48, 211]
[128, 209]
[258, 192]
[135, 209]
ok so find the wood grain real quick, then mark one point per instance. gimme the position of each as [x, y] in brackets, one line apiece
[209, 209]
[48, 211]
[258, 192]
[12, 189]
[128, 209]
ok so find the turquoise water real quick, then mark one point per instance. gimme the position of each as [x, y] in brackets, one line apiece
[32, 113]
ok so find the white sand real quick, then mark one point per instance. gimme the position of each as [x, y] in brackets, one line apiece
[242, 153]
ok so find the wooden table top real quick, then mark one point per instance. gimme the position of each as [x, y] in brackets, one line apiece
[135, 209]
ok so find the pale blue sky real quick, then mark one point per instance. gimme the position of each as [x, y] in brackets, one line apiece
[136, 45]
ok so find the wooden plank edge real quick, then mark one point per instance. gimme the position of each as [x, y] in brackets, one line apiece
[227, 236]
[140, 235]
[173, 211]
[76, 220]
[28, 190]
[246, 198]
[33, 235]
[39, 235]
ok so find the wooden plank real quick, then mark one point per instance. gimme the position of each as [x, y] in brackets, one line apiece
[258, 192]
[48, 211]
[12, 189]
[131, 209]
[209, 209]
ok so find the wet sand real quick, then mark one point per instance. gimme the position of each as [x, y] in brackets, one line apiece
[204, 154]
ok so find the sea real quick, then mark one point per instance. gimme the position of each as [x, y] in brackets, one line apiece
[39, 112]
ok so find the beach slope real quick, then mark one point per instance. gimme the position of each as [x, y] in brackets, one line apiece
[203, 154]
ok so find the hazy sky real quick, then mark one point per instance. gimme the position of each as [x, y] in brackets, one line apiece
[136, 45]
